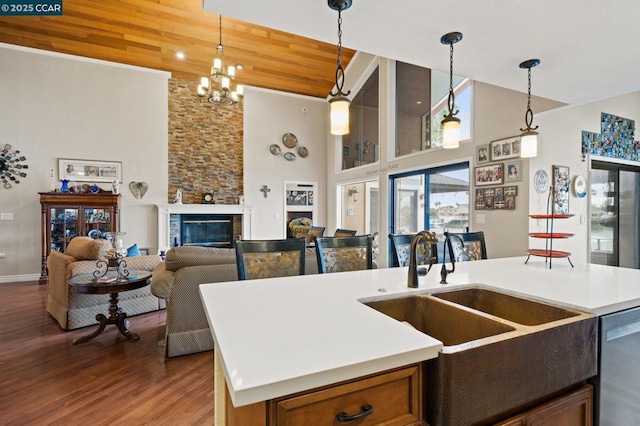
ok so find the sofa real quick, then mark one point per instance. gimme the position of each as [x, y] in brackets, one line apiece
[177, 281]
[74, 310]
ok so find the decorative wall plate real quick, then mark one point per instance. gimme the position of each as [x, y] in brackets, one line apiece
[541, 181]
[303, 151]
[289, 156]
[580, 186]
[289, 140]
[138, 189]
[275, 149]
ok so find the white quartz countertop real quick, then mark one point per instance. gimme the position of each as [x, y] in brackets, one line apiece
[284, 335]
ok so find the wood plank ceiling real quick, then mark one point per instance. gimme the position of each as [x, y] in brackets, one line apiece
[148, 33]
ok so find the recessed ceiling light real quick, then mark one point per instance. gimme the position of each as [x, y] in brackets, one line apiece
[180, 55]
[419, 102]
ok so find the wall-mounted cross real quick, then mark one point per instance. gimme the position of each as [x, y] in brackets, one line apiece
[265, 190]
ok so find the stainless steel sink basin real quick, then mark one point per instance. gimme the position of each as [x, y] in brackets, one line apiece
[516, 309]
[451, 325]
[502, 354]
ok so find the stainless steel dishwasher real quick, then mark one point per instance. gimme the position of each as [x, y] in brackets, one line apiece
[618, 381]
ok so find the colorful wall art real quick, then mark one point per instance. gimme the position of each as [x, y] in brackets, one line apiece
[615, 140]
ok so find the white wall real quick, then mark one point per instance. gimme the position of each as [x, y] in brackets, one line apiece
[497, 113]
[559, 143]
[57, 106]
[267, 116]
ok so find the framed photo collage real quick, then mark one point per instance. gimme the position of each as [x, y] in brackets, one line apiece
[498, 165]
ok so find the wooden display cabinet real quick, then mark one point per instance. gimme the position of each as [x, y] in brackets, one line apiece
[65, 215]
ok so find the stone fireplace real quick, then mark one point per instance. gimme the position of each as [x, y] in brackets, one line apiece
[212, 225]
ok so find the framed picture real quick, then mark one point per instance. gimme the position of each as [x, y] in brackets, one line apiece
[561, 185]
[510, 191]
[89, 171]
[482, 154]
[489, 194]
[489, 175]
[503, 149]
[297, 198]
[513, 171]
[509, 202]
[346, 151]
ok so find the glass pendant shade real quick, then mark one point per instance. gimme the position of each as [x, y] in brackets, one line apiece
[450, 132]
[339, 115]
[217, 65]
[529, 144]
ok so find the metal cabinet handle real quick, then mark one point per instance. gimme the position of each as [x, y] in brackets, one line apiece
[364, 412]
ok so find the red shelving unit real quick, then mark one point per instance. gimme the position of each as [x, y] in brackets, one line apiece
[549, 236]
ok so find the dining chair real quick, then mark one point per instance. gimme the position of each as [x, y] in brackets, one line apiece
[469, 246]
[270, 258]
[344, 233]
[340, 254]
[400, 249]
[314, 231]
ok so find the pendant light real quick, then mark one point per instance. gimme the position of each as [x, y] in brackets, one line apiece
[529, 136]
[339, 102]
[451, 124]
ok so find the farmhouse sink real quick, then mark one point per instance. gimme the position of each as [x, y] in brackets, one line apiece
[451, 325]
[516, 309]
[501, 354]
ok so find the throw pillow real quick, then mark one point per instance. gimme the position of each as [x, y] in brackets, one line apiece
[86, 248]
[133, 251]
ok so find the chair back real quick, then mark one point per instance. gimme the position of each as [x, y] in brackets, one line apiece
[340, 254]
[401, 247]
[314, 231]
[472, 247]
[270, 258]
[344, 233]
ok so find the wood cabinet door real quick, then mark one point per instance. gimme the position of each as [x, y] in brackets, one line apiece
[574, 409]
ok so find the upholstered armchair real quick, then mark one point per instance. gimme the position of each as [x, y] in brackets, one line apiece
[73, 310]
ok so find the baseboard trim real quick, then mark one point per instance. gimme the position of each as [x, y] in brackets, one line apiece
[19, 278]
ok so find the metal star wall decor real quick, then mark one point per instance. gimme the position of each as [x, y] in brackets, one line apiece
[11, 166]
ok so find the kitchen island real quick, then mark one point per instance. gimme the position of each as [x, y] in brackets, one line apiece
[281, 336]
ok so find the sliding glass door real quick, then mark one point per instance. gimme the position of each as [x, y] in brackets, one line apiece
[434, 199]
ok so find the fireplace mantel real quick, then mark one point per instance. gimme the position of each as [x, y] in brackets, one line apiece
[165, 210]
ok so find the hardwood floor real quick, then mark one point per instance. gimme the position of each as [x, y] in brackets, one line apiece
[108, 380]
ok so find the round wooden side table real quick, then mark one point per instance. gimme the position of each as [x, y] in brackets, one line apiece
[88, 284]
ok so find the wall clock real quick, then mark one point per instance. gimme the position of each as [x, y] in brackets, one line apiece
[12, 166]
[207, 198]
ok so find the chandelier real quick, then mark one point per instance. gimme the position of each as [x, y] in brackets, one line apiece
[217, 87]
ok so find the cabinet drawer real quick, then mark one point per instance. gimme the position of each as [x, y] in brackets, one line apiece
[394, 398]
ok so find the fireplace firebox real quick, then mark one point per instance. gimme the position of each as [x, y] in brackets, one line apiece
[206, 230]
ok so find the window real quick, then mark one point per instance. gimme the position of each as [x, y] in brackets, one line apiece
[360, 146]
[421, 103]
[434, 199]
